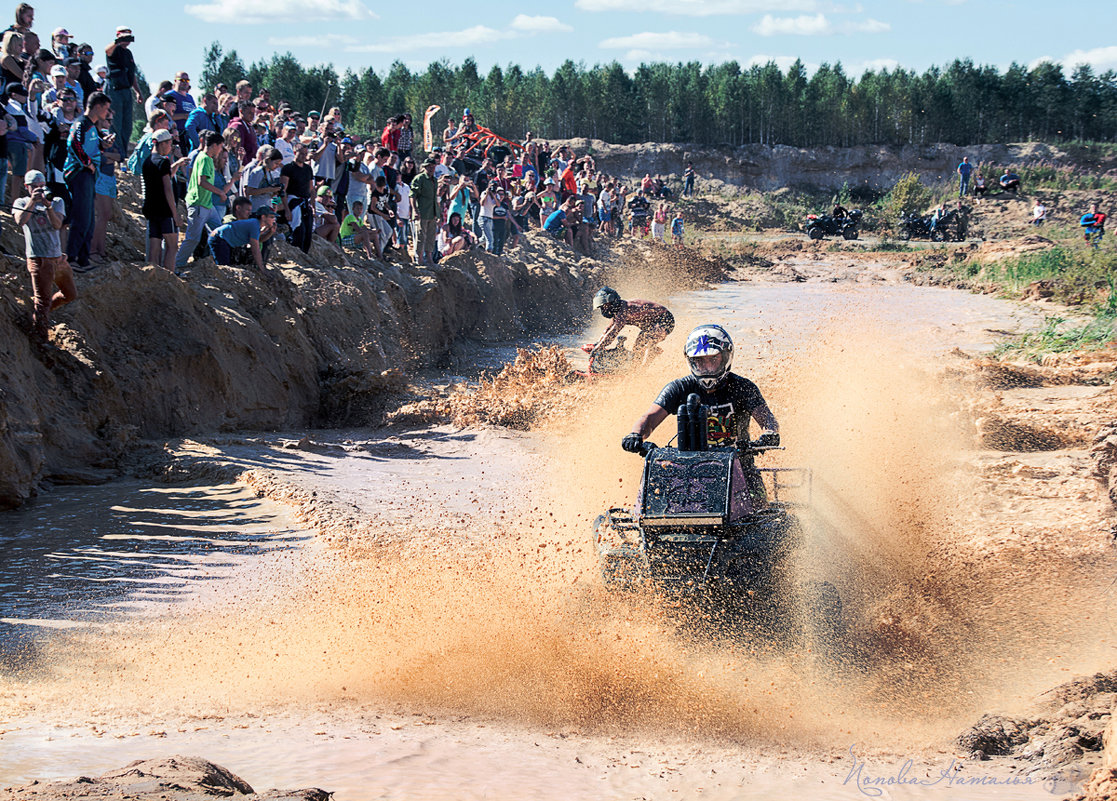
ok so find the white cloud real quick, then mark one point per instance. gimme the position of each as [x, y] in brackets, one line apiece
[324, 40]
[817, 25]
[470, 37]
[477, 36]
[797, 26]
[866, 26]
[698, 8]
[671, 40]
[527, 24]
[257, 12]
[1100, 58]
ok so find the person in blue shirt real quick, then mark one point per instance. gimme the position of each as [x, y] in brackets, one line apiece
[232, 242]
[1010, 182]
[83, 161]
[203, 118]
[964, 171]
[556, 224]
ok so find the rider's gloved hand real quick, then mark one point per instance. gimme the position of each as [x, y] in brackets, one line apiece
[769, 439]
[632, 443]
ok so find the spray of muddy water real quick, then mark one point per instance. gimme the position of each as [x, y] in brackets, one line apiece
[511, 625]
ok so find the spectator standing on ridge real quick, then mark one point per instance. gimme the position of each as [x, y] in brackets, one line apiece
[155, 99]
[964, 171]
[406, 138]
[159, 207]
[688, 179]
[85, 69]
[202, 118]
[243, 115]
[41, 219]
[424, 201]
[201, 212]
[298, 187]
[83, 159]
[184, 104]
[122, 86]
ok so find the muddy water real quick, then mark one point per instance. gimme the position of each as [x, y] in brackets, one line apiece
[453, 673]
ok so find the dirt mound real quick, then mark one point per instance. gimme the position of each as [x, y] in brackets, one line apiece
[1002, 250]
[176, 778]
[1064, 735]
[320, 338]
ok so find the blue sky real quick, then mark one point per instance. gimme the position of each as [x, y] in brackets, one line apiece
[360, 33]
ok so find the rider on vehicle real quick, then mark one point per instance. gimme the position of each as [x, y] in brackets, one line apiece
[839, 212]
[732, 399]
[654, 321]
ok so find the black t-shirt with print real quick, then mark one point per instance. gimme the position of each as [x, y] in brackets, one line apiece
[731, 405]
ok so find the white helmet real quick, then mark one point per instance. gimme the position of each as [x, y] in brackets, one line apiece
[709, 340]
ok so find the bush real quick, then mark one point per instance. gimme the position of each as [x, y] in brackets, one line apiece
[908, 195]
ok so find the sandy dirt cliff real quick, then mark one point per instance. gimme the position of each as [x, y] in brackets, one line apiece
[144, 354]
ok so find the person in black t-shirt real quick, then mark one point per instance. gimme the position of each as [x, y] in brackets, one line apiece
[732, 399]
[298, 186]
[159, 209]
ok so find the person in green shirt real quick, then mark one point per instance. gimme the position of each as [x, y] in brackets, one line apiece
[355, 232]
[424, 204]
[200, 212]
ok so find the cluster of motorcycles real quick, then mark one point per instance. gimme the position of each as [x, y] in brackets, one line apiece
[949, 226]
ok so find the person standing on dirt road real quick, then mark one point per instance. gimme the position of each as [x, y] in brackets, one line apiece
[732, 399]
[654, 321]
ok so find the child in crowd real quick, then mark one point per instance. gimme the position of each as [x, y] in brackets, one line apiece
[354, 232]
[677, 229]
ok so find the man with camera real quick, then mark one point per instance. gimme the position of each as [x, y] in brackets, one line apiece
[41, 216]
[122, 86]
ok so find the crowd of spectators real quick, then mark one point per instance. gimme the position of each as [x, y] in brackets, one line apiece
[225, 171]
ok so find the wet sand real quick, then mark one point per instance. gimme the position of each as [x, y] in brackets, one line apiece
[455, 647]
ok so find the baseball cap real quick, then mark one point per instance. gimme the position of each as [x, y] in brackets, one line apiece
[263, 211]
[34, 177]
[123, 30]
[15, 89]
[323, 190]
[290, 125]
[58, 69]
[102, 70]
[62, 32]
[162, 135]
[315, 114]
[347, 141]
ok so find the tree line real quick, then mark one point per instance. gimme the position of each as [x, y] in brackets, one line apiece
[726, 104]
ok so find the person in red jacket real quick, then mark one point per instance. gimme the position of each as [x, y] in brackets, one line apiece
[390, 137]
[654, 321]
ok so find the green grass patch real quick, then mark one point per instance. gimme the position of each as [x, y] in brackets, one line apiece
[1059, 336]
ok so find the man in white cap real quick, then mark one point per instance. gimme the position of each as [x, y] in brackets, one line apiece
[122, 85]
[41, 217]
[57, 85]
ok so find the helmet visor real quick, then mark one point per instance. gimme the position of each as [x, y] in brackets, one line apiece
[710, 365]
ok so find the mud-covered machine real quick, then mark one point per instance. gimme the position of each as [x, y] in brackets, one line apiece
[707, 523]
